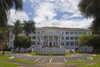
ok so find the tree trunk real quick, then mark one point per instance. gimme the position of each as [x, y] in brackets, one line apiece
[3, 50]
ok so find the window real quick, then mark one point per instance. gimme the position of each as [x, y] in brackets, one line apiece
[62, 38]
[67, 32]
[76, 42]
[67, 38]
[34, 32]
[71, 32]
[76, 32]
[72, 43]
[30, 38]
[34, 37]
[62, 32]
[80, 32]
[42, 31]
[38, 32]
[34, 43]
[76, 38]
[62, 43]
[71, 38]
[67, 43]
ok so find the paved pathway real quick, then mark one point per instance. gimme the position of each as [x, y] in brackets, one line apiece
[51, 59]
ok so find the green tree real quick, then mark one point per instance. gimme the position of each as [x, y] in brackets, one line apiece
[17, 28]
[4, 33]
[91, 8]
[29, 27]
[90, 40]
[22, 42]
[18, 43]
[5, 6]
[26, 42]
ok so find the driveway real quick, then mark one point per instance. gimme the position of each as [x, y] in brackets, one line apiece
[51, 59]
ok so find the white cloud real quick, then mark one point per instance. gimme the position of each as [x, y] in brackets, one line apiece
[66, 10]
[24, 0]
[44, 11]
[21, 15]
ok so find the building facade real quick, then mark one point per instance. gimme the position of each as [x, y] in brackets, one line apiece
[55, 40]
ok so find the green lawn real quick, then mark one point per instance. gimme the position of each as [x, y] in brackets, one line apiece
[50, 54]
[6, 57]
[94, 59]
[6, 52]
[5, 64]
[93, 65]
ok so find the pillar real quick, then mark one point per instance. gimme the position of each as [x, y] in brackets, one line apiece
[48, 40]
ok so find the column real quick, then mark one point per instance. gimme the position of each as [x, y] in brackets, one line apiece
[53, 41]
[40, 40]
[58, 40]
[48, 40]
[43, 40]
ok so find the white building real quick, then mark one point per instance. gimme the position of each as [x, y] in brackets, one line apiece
[55, 39]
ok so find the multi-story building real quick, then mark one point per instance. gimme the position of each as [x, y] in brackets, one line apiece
[55, 39]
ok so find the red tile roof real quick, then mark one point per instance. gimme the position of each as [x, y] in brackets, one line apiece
[62, 28]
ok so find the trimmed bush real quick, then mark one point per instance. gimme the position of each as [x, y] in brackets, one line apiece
[79, 51]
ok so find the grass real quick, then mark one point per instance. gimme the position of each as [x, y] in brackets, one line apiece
[50, 54]
[94, 59]
[5, 64]
[6, 52]
[93, 65]
[68, 54]
[6, 57]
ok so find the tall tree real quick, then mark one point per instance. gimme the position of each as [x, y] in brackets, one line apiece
[17, 28]
[91, 8]
[5, 6]
[4, 36]
[29, 27]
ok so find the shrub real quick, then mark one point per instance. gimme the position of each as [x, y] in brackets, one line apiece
[79, 51]
[50, 54]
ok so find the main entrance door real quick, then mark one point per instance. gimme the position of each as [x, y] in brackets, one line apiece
[50, 43]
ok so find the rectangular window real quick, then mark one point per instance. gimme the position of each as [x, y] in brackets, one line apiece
[71, 38]
[34, 37]
[30, 38]
[72, 43]
[67, 43]
[34, 43]
[62, 32]
[38, 32]
[76, 42]
[76, 38]
[67, 32]
[62, 43]
[62, 38]
[34, 32]
[76, 32]
[67, 38]
[80, 32]
[71, 32]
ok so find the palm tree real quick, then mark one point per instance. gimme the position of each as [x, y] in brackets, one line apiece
[5, 6]
[91, 8]
[17, 28]
[29, 27]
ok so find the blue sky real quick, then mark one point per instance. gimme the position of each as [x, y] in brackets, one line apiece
[51, 13]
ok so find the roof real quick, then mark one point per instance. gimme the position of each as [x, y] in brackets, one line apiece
[41, 28]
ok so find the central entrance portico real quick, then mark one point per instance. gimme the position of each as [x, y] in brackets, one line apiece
[50, 43]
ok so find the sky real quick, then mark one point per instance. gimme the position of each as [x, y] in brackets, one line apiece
[51, 13]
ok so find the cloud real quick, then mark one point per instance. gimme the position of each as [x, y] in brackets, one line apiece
[21, 15]
[44, 11]
[47, 13]
[24, 0]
